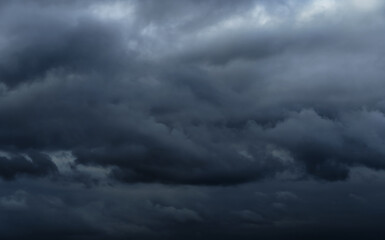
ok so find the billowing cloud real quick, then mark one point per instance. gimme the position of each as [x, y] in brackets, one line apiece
[187, 96]
[33, 164]
[213, 96]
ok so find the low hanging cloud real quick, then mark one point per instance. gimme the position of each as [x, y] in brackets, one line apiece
[170, 93]
[33, 164]
[191, 119]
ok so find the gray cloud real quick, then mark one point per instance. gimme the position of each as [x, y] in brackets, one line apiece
[33, 164]
[210, 98]
[204, 100]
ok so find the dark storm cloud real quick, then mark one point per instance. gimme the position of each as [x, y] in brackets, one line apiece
[49, 42]
[192, 119]
[187, 119]
[329, 147]
[33, 164]
[274, 210]
[194, 92]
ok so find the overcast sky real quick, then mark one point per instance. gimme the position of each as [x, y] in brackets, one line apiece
[192, 119]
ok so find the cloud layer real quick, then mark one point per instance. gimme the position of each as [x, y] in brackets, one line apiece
[204, 94]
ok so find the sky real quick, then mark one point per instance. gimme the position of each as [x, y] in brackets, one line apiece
[192, 119]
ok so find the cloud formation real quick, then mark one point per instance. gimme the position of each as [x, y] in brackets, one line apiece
[170, 93]
[197, 94]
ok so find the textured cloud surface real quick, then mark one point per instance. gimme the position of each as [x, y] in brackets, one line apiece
[191, 119]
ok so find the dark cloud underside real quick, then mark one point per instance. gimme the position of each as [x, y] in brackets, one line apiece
[213, 96]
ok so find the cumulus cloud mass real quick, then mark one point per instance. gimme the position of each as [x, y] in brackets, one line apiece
[192, 119]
